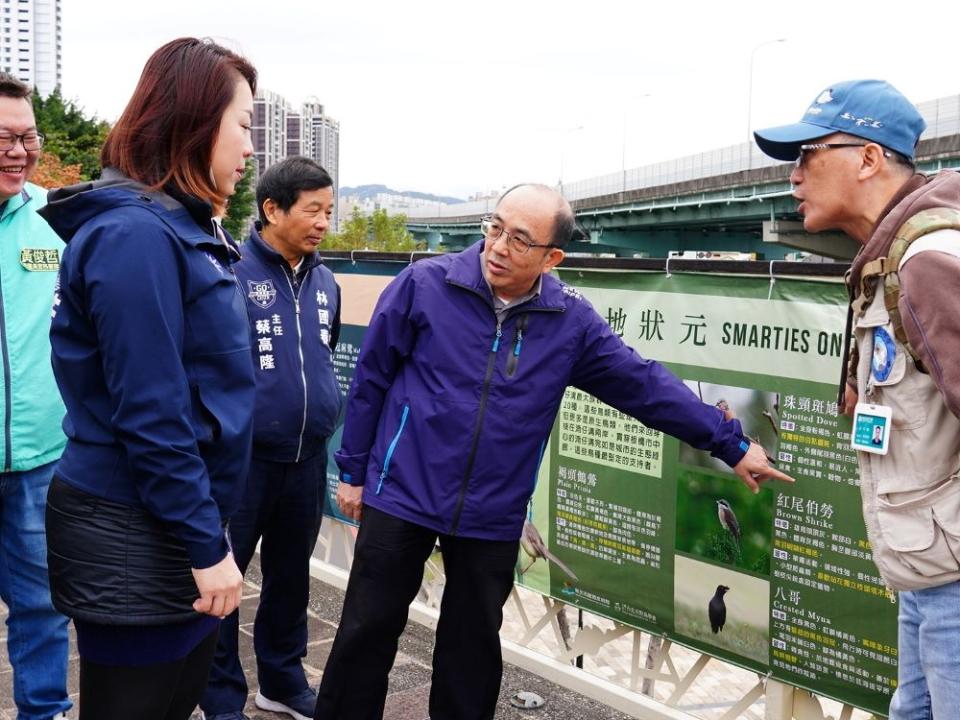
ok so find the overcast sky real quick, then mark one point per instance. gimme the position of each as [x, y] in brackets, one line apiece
[452, 97]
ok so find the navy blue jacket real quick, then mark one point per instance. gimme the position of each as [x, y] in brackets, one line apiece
[294, 325]
[450, 411]
[151, 351]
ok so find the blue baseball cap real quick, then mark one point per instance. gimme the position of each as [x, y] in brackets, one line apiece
[871, 109]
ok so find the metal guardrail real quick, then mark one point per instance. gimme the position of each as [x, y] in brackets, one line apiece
[623, 663]
[773, 268]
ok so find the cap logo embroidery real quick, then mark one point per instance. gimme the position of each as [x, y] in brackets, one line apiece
[825, 97]
[863, 121]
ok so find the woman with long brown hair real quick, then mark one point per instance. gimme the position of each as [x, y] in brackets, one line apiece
[151, 353]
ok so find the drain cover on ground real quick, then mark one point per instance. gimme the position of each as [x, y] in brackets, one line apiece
[526, 700]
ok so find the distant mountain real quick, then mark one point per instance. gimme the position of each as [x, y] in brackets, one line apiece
[369, 191]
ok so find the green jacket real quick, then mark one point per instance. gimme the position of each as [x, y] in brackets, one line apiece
[30, 407]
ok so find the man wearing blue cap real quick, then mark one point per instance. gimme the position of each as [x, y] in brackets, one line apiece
[854, 150]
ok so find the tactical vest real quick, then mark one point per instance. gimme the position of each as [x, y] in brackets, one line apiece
[911, 495]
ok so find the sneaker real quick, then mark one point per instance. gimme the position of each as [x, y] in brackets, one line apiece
[224, 716]
[299, 707]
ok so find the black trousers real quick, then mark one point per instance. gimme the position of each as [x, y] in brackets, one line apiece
[165, 691]
[283, 504]
[386, 574]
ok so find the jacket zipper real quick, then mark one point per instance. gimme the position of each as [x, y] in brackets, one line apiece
[491, 364]
[514, 358]
[7, 390]
[391, 448]
[303, 372]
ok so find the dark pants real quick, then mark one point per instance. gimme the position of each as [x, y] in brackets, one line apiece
[283, 504]
[165, 691]
[386, 574]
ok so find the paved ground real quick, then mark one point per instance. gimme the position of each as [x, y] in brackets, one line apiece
[719, 687]
[409, 681]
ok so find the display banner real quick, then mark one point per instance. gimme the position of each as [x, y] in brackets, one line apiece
[636, 526]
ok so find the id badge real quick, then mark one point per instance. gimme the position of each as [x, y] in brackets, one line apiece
[871, 428]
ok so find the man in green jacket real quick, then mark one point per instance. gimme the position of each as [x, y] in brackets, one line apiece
[31, 439]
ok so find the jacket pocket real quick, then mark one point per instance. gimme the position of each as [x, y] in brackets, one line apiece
[205, 424]
[923, 529]
[391, 448]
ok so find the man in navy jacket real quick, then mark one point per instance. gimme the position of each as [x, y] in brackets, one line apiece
[294, 308]
[458, 382]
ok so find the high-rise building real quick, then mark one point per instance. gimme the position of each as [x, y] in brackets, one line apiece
[294, 134]
[279, 131]
[321, 136]
[30, 42]
[321, 142]
[269, 129]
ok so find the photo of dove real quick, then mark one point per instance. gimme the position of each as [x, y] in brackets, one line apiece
[756, 410]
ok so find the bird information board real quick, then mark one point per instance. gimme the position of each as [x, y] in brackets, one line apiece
[653, 533]
[636, 526]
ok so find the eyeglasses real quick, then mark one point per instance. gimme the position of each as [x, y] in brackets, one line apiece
[804, 149]
[32, 141]
[492, 230]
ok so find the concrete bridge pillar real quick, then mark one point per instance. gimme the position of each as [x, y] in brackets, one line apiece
[433, 240]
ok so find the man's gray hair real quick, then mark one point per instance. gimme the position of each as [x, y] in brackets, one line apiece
[892, 155]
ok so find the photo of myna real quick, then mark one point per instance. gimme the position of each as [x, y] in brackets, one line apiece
[718, 607]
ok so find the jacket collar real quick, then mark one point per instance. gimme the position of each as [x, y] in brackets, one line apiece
[69, 208]
[265, 253]
[200, 212]
[466, 271]
[11, 205]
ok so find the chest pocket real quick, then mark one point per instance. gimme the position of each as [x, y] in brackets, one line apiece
[887, 375]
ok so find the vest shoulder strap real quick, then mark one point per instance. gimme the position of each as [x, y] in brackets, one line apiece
[902, 249]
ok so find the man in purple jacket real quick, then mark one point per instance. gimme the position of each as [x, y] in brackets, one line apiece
[462, 371]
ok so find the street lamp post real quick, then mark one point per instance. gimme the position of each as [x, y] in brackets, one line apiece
[753, 54]
[563, 149]
[623, 144]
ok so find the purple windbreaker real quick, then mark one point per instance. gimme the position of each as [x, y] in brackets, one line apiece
[449, 412]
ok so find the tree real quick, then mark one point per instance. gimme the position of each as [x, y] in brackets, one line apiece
[71, 136]
[353, 236]
[242, 205]
[51, 172]
[379, 231]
